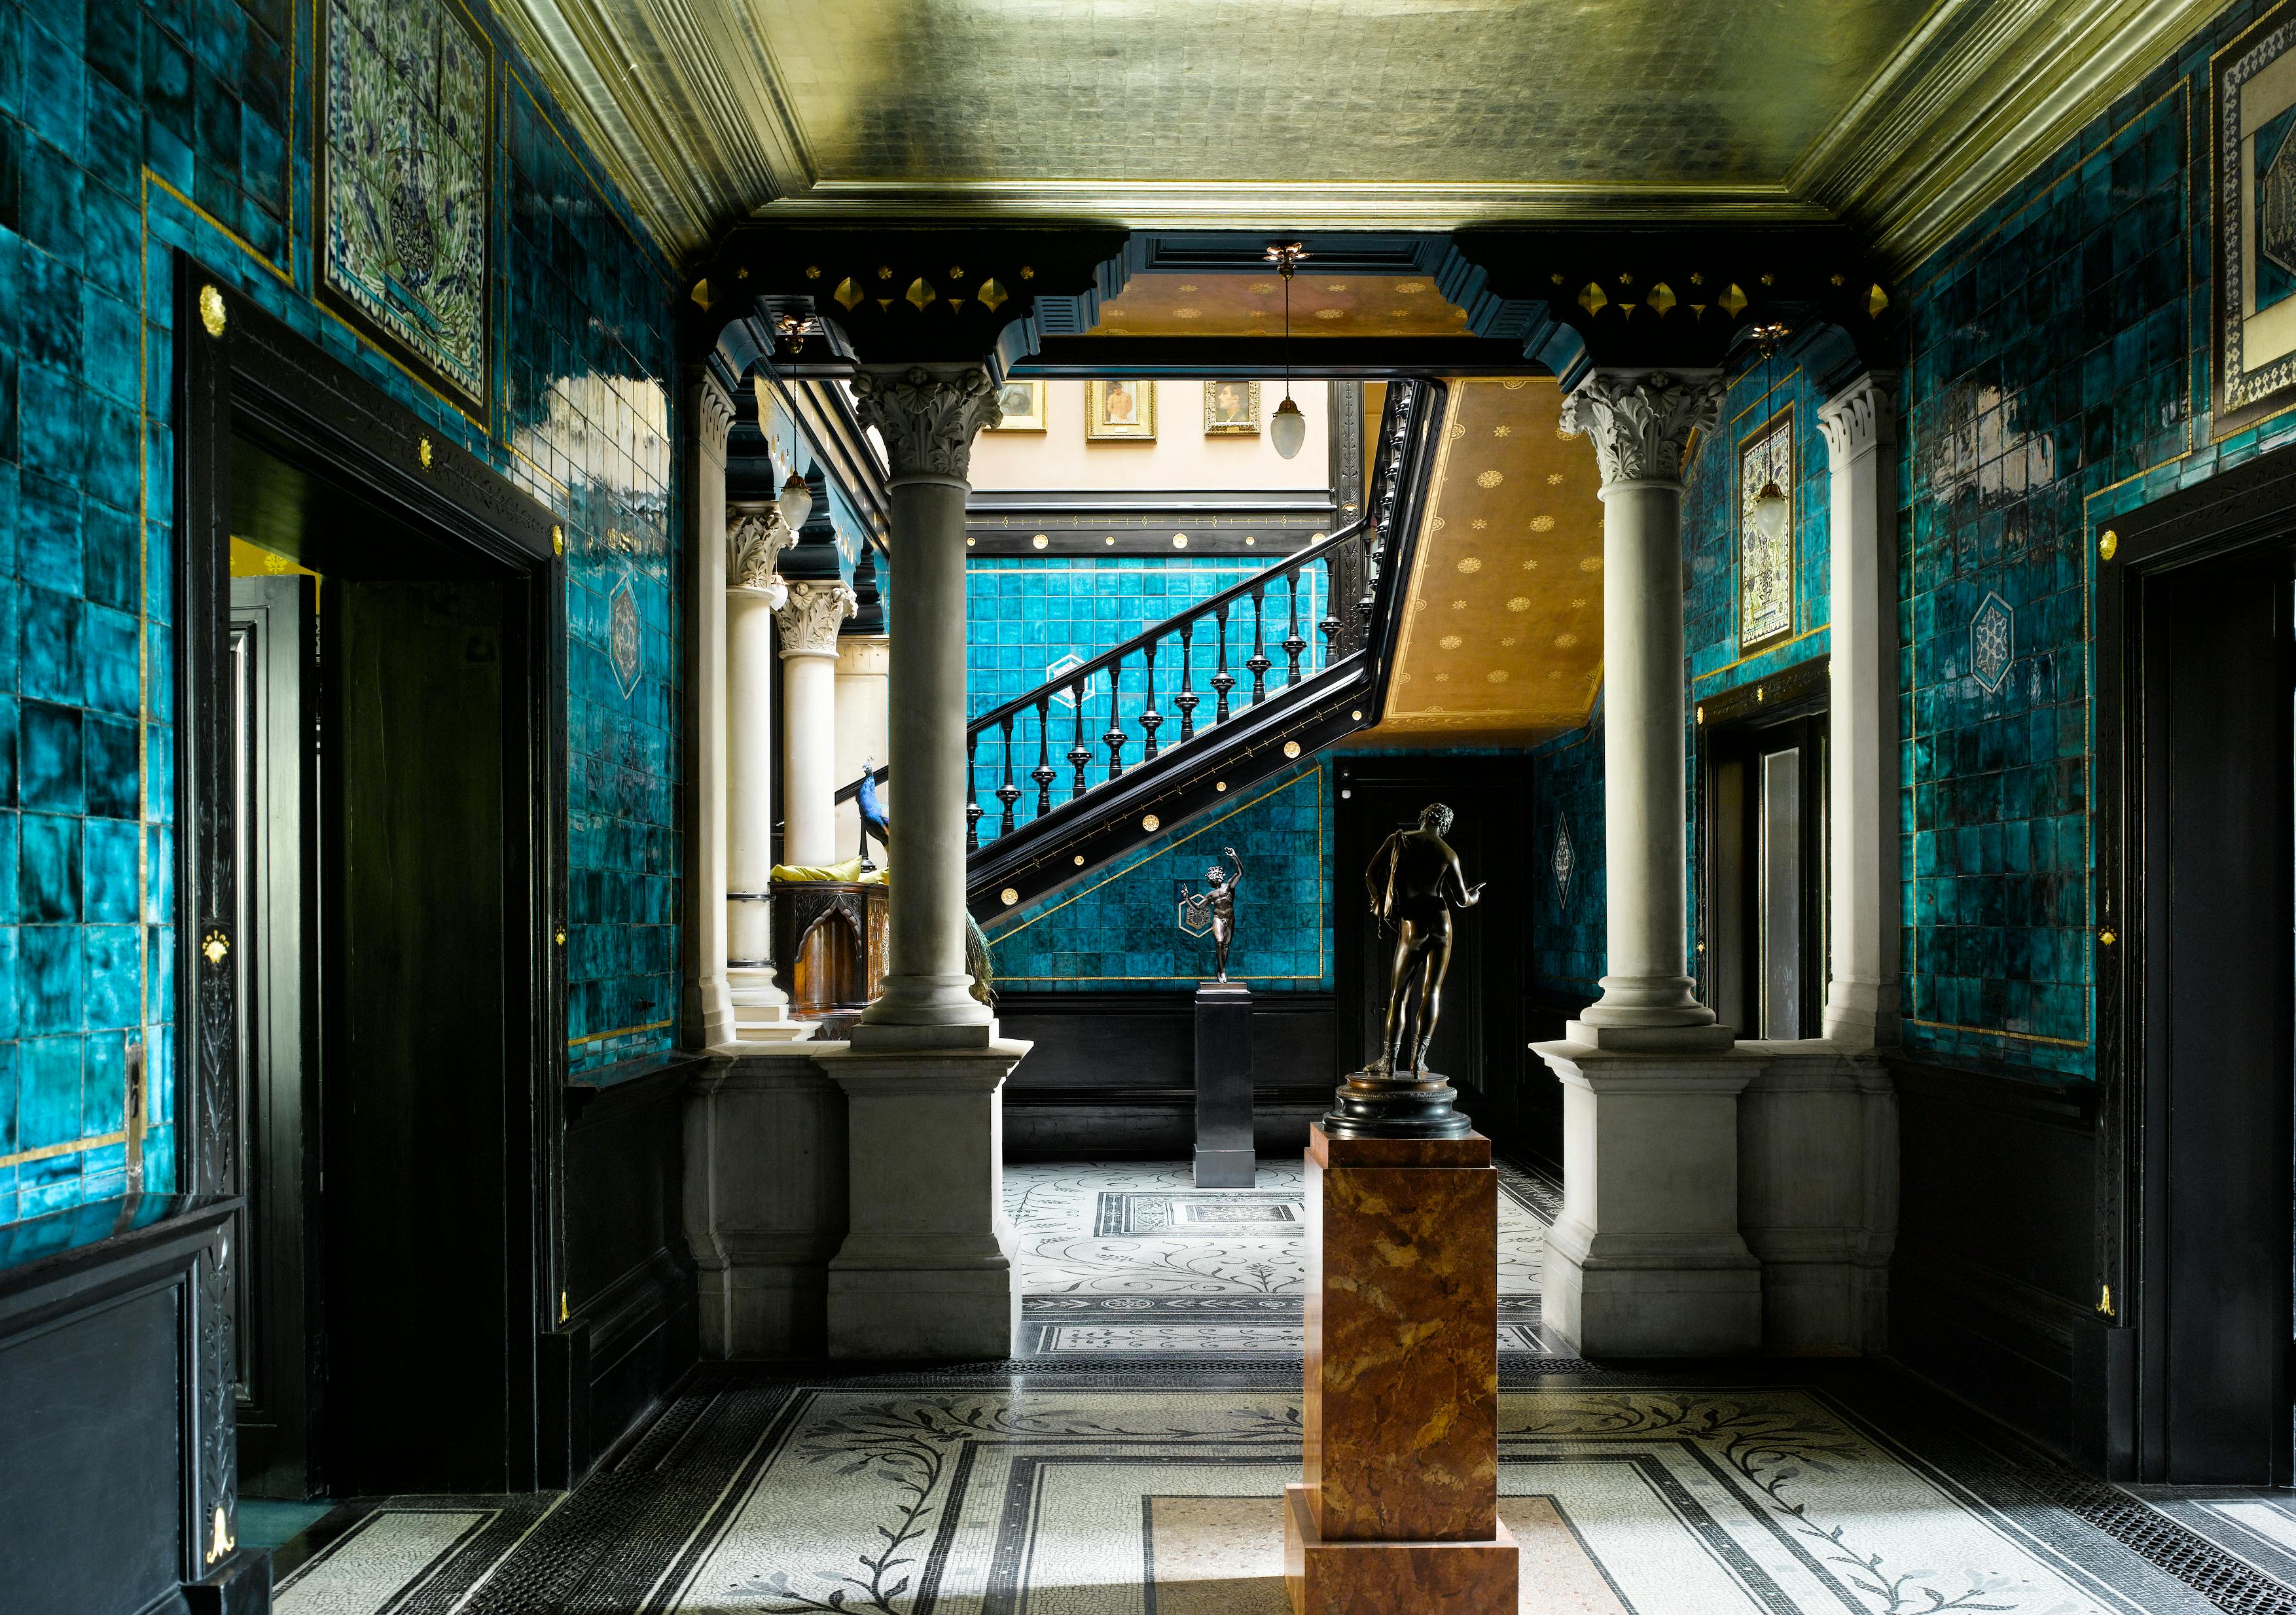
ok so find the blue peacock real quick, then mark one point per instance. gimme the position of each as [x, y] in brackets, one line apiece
[874, 823]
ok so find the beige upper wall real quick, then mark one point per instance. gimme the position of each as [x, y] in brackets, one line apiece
[1182, 457]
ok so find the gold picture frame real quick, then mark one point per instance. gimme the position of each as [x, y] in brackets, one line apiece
[1121, 410]
[1024, 407]
[1231, 409]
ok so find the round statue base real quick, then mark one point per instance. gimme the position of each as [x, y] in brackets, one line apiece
[1370, 1104]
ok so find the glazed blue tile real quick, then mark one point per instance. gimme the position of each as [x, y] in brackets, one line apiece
[110, 871]
[48, 876]
[49, 758]
[48, 665]
[109, 763]
[113, 975]
[48, 1071]
[103, 1083]
[49, 975]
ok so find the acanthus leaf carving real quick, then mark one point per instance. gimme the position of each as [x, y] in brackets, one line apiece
[1859, 418]
[810, 617]
[755, 538]
[927, 419]
[1641, 421]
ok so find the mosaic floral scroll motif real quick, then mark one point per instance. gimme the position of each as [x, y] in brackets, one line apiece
[405, 221]
[1764, 560]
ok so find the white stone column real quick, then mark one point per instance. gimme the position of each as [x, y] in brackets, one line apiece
[1647, 1258]
[1640, 422]
[928, 419]
[926, 1269]
[1862, 1006]
[863, 661]
[709, 1004]
[809, 615]
[755, 541]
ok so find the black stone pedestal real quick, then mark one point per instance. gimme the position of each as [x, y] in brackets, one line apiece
[1224, 1155]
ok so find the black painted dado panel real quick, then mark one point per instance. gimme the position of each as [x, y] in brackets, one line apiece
[1988, 1290]
[1112, 1074]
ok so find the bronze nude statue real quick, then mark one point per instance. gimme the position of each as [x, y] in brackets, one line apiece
[1219, 903]
[1414, 882]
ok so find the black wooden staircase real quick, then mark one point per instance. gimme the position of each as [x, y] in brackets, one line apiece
[1226, 693]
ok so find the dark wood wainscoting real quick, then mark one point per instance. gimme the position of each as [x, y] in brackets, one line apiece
[629, 1327]
[1113, 1074]
[104, 1314]
[1990, 1292]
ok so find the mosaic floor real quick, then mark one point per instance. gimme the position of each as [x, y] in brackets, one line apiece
[1155, 1492]
[1129, 1259]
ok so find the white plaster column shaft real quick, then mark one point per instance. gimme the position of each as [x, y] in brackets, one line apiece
[928, 419]
[1862, 1002]
[754, 540]
[1640, 422]
[863, 661]
[809, 615]
[709, 1004]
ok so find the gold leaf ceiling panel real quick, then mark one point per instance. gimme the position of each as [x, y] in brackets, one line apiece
[1252, 304]
[1502, 634]
[1906, 116]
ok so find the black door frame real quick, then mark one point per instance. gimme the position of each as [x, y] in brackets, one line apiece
[237, 366]
[2120, 1387]
[1794, 696]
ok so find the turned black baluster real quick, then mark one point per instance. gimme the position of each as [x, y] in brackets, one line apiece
[1330, 627]
[1223, 681]
[1151, 720]
[1114, 736]
[1080, 754]
[1187, 698]
[1258, 661]
[1292, 644]
[971, 793]
[1043, 772]
[1008, 793]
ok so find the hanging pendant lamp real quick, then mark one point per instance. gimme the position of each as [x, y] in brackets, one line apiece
[1287, 429]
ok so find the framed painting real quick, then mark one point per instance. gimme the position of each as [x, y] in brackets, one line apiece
[406, 185]
[1024, 407]
[1766, 536]
[1231, 409]
[2253, 131]
[1119, 409]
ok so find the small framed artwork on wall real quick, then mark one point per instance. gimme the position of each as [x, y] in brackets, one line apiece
[2254, 133]
[1231, 409]
[1121, 409]
[1024, 407]
[1765, 535]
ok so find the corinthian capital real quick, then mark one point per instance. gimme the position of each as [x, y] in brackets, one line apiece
[1860, 418]
[808, 618]
[927, 418]
[1641, 420]
[755, 538]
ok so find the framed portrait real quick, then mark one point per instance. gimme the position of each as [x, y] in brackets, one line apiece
[1122, 409]
[1231, 409]
[2254, 135]
[1024, 407]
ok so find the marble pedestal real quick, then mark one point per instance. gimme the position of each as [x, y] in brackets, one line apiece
[926, 1269]
[1647, 1259]
[1397, 1512]
[1224, 1149]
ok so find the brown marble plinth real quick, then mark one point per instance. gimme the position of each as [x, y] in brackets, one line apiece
[1393, 1577]
[1401, 1416]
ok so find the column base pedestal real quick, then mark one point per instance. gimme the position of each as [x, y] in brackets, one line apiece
[1225, 1157]
[1393, 1577]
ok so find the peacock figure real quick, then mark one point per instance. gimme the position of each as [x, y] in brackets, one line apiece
[873, 821]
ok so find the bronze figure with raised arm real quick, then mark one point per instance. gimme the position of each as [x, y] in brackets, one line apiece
[1219, 903]
[1414, 882]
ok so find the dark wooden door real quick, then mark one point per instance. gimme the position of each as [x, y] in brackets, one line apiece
[2219, 958]
[274, 669]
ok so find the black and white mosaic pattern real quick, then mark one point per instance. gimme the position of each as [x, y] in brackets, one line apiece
[1130, 1259]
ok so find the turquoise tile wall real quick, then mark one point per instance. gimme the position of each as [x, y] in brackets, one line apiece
[130, 130]
[1024, 616]
[2056, 373]
[1118, 930]
[1568, 944]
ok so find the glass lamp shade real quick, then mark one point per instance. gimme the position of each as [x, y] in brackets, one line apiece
[795, 504]
[1768, 513]
[1288, 429]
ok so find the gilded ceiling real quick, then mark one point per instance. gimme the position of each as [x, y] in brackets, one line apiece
[1252, 304]
[1902, 115]
[1503, 626]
